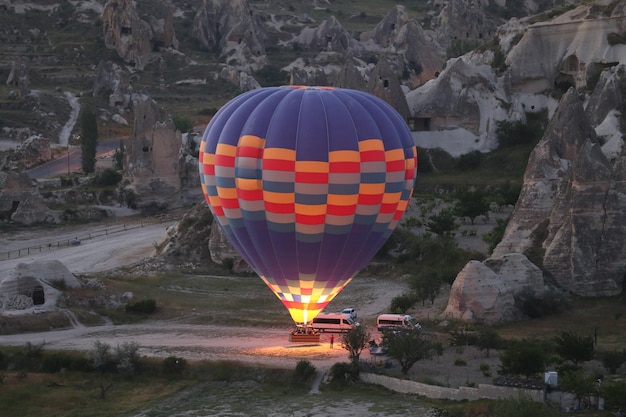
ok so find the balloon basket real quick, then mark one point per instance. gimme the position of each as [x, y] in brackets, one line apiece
[303, 334]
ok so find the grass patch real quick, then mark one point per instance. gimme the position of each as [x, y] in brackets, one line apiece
[606, 316]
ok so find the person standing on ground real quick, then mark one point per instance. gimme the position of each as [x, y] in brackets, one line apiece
[332, 340]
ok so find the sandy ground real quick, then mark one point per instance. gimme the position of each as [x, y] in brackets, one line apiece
[102, 246]
[254, 345]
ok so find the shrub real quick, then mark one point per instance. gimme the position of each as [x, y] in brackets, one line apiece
[100, 356]
[612, 360]
[29, 358]
[574, 347]
[469, 161]
[402, 303]
[516, 133]
[342, 373]
[182, 123]
[485, 369]
[146, 306]
[303, 372]
[523, 357]
[536, 306]
[460, 362]
[55, 362]
[127, 358]
[107, 177]
[614, 394]
[173, 365]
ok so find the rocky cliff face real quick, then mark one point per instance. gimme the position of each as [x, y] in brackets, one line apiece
[20, 200]
[398, 34]
[152, 165]
[234, 29]
[134, 38]
[568, 221]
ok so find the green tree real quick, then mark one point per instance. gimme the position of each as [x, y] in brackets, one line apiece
[613, 392]
[573, 347]
[613, 359]
[127, 358]
[471, 204]
[523, 357]
[118, 156]
[488, 339]
[409, 222]
[407, 346]
[496, 234]
[469, 161]
[100, 356]
[442, 223]
[88, 140]
[182, 123]
[354, 341]
[579, 383]
[426, 285]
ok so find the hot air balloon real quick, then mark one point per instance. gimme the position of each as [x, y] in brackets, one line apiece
[307, 183]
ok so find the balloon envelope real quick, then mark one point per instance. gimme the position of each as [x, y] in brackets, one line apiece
[307, 183]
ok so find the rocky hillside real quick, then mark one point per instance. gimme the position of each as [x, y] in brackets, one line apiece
[455, 69]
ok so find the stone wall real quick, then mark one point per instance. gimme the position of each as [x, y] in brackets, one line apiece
[482, 391]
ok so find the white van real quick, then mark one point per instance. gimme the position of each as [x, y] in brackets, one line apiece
[394, 321]
[332, 322]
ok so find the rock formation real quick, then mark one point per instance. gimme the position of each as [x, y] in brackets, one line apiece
[34, 284]
[399, 34]
[197, 239]
[565, 50]
[463, 20]
[32, 152]
[329, 36]
[384, 83]
[463, 97]
[135, 39]
[113, 82]
[152, 165]
[20, 200]
[568, 220]
[20, 77]
[233, 28]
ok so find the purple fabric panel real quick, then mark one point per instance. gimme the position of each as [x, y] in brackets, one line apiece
[363, 121]
[284, 246]
[226, 125]
[264, 254]
[352, 250]
[343, 133]
[308, 256]
[312, 140]
[332, 253]
[283, 128]
[258, 121]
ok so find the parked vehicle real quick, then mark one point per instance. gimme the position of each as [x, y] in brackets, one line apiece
[395, 321]
[332, 322]
[350, 312]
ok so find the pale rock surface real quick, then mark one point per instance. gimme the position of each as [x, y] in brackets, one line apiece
[329, 36]
[18, 288]
[398, 33]
[233, 28]
[113, 81]
[152, 163]
[20, 200]
[133, 38]
[478, 293]
[568, 219]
